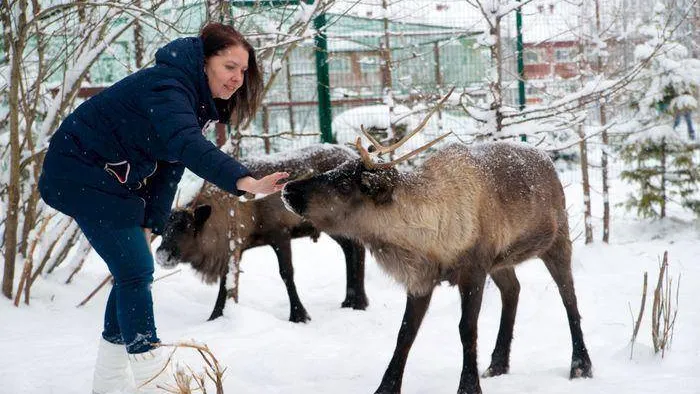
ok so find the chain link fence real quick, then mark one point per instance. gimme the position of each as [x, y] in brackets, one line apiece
[388, 59]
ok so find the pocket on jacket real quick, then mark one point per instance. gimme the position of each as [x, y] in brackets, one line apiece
[119, 170]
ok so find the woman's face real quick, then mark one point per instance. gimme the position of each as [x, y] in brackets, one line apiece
[226, 71]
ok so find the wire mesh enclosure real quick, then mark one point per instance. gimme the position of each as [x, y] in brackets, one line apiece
[383, 61]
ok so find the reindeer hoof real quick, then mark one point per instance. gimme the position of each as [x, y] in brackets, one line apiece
[495, 370]
[215, 315]
[581, 369]
[469, 390]
[359, 303]
[385, 391]
[300, 317]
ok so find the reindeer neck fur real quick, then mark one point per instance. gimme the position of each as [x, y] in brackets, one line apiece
[221, 232]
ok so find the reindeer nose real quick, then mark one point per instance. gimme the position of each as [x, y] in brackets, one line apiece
[165, 258]
[293, 197]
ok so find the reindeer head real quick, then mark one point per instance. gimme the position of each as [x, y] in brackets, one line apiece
[333, 199]
[180, 243]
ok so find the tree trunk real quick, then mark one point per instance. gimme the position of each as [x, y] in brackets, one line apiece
[234, 264]
[218, 11]
[138, 40]
[438, 80]
[582, 66]
[587, 217]
[266, 128]
[290, 107]
[497, 85]
[663, 178]
[15, 49]
[387, 79]
[30, 206]
[604, 136]
[606, 187]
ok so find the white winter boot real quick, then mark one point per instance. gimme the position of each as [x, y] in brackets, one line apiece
[150, 371]
[111, 368]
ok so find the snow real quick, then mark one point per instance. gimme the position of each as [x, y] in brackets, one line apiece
[346, 126]
[50, 346]
[454, 13]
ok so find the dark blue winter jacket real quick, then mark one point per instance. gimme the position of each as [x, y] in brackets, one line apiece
[117, 159]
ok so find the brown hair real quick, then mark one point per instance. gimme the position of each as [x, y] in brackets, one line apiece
[241, 107]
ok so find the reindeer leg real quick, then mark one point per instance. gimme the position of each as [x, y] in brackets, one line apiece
[220, 299]
[283, 249]
[355, 296]
[509, 286]
[558, 262]
[416, 306]
[471, 288]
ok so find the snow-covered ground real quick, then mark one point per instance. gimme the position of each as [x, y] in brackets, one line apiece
[50, 346]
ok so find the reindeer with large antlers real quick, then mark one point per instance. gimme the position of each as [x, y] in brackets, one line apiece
[467, 212]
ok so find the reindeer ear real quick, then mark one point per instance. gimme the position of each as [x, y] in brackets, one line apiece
[376, 186]
[201, 214]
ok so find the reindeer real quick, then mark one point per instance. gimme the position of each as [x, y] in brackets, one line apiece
[467, 212]
[201, 233]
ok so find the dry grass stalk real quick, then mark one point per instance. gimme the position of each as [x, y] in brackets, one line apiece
[26, 272]
[75, 271]
[165, 365]
[183, 382]
[109, 277]
[92, 294]
[664, 312]
[84, 248]
[177, 271]
[638, 323]
[184, 379]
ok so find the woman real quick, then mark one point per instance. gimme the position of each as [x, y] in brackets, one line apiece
[114, 165]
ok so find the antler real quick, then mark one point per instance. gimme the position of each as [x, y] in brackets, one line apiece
[371, 164]
[379, 148]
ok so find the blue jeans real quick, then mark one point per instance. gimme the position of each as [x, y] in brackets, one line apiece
[688, 121]
[129, 314]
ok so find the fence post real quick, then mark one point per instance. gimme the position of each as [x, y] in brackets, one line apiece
[521, 63]
[323, 80]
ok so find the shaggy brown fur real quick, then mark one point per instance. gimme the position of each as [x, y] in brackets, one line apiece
[203, 234]
[469, 211]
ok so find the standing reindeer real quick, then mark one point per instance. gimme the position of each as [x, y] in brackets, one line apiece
[467, 212]
[201, 233]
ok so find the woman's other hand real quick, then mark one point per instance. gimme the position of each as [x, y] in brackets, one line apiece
[266, 185]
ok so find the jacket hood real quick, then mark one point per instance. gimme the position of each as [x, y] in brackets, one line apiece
[187, 55]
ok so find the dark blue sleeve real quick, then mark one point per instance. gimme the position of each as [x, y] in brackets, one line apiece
[171, 110]
[161, 188]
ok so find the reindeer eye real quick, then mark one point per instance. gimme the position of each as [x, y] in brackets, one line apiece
[345, 187]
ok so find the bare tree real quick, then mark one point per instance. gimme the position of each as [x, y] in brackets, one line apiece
[604, 133]
[219, 11]
[387, 78]
[493, 12]
[139, 44]
[41, 42]
[599, 28]
[581, 65]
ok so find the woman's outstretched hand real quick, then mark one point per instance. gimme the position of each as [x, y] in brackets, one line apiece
[266, 185]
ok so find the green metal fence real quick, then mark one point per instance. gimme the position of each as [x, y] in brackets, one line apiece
[384, 59]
